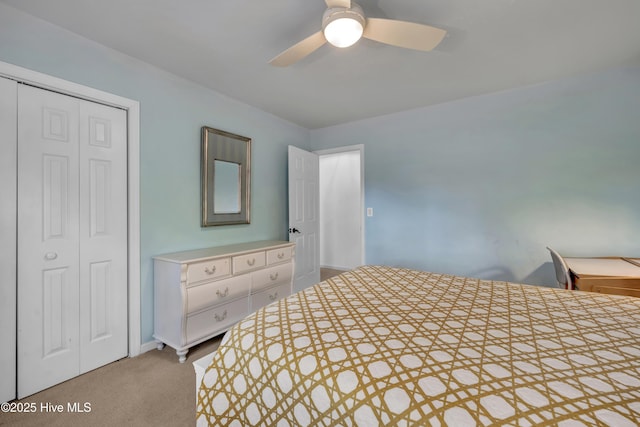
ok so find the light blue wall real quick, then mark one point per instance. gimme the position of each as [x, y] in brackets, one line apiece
[476, 187]
[481, 186]
[172, 112]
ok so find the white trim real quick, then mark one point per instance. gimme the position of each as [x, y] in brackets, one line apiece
[132, 107]
[148, 346]
[345, 149]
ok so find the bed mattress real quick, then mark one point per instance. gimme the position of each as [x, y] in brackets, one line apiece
[392, 346]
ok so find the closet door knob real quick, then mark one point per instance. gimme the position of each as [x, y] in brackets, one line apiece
[50, 256]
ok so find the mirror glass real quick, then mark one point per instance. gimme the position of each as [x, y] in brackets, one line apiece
[226, 187]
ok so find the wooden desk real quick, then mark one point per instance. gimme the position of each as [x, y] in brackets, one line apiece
[609, 275]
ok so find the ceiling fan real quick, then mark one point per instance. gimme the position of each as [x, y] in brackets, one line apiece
[344, 23]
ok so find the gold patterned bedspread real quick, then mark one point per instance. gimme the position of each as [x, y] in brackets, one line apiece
[387, 346]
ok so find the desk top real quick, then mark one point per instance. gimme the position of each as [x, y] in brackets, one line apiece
[635, 261]
[613, 267]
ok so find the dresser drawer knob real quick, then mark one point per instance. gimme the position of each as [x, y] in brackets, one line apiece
[220, 318]
[223, 294]
[273, 276]
[251, 262]
[273, 297]
[280, 255]
[210, 270]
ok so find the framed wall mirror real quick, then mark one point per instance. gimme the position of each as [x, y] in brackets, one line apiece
[226, 178]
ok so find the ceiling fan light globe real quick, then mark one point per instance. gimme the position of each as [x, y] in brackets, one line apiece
[343, 32]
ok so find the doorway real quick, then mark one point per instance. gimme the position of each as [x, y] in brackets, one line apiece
[341, 178]
[342, 204]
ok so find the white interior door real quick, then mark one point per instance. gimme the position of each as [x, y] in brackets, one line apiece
[72, 246]
[103, 235]
[303, 216]
[8, 118]
[48, 251]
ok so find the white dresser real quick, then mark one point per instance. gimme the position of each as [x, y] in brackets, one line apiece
[201, 293]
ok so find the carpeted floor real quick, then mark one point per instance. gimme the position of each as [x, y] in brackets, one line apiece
[327, 273]
[152, 389]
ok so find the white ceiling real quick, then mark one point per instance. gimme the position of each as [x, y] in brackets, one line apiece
[491, 45]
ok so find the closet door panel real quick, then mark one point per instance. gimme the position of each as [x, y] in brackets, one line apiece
[103, 235]
[48, 252]
[8, 147]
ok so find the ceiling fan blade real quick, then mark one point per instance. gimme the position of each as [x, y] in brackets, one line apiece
[403, 34]
[299, 50]
[338, 3]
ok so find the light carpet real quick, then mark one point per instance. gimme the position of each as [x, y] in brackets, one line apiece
[152, 389]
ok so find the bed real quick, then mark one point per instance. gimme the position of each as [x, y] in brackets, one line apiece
[392, 346]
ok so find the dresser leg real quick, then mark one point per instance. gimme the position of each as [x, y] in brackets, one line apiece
[182, 354]
[159, 345]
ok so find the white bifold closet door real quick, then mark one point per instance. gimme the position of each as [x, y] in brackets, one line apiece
[72, 237]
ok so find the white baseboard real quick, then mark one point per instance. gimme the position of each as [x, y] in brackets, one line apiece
[335, 268]
[148, 346]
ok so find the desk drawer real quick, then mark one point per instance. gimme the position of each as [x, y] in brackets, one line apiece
[270, 295]
[248, 262]
[271, 276]
[215, 293]
[216, 319]
[613, 290]
[207, 270]
[275, 256]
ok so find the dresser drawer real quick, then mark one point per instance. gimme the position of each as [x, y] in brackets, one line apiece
[214, 293]
[248, 262]
[271, 276]
[275, 256]
[270, 295]
[216, 319]
[207, 270]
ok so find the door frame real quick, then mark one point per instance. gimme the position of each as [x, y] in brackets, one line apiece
[360, 149]
[44, 81]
